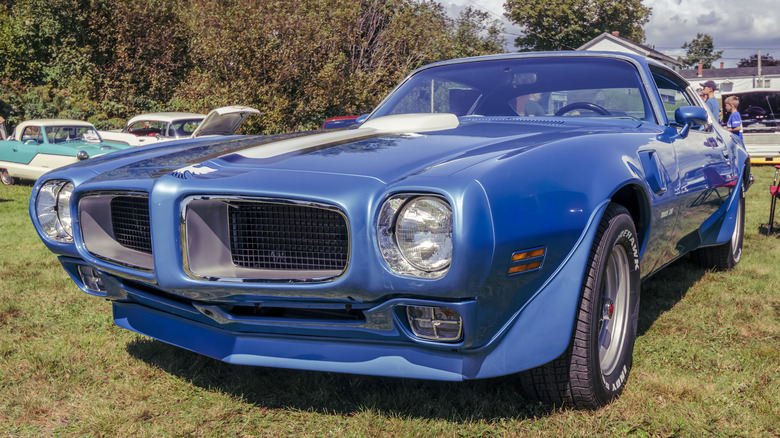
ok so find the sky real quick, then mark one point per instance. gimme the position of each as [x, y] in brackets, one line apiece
[738, 27]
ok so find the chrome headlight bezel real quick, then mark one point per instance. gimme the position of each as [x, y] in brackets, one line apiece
[402, 208]
[52, 210]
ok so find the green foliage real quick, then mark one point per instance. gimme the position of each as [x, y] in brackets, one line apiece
[701, 49]
[298, 61]
[568, 24]
[752, 61]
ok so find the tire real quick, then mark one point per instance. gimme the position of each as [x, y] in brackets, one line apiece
[594, 369]
[726, 256]
[6, 177]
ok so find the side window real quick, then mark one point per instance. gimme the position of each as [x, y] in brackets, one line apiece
[672, 95]
[32, 133]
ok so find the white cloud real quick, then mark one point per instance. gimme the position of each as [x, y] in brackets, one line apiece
[739, 28]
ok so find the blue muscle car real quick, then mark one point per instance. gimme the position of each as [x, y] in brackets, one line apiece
[492, 215]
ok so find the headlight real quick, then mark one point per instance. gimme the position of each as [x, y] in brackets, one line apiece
[52, 207]
[423, 232]
[415, 235]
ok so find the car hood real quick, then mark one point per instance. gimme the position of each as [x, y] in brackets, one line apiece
[386, 153]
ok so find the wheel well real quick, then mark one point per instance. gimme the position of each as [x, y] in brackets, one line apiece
[634, 200]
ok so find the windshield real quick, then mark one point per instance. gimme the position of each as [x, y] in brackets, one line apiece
[532, 87]
[61, 134]
[183, 128]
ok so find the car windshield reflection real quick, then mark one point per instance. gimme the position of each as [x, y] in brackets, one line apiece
[549, 87]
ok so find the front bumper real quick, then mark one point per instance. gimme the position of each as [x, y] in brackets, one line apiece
[537, 333]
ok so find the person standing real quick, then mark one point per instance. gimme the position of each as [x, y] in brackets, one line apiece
[735, 119]
[708, 88]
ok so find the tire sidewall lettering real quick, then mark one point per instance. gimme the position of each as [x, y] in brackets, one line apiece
[613, 384]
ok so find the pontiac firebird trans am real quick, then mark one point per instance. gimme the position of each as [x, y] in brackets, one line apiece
[492, 215]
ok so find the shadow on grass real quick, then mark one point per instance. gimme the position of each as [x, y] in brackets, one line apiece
[347, 394]
[764, 228]
[662, 291]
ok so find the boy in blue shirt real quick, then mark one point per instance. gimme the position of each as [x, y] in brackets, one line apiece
[708, 89]
[735, 119]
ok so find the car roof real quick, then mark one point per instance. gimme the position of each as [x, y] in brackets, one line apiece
[48, 122]
[165, 117]
[559, 54]
[54, 122]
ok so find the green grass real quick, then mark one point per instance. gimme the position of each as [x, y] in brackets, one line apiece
[707, 362]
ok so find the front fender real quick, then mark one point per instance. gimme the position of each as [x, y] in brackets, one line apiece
[543, 326]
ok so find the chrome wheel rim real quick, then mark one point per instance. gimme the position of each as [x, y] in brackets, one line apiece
[6, 177]
[614, 309]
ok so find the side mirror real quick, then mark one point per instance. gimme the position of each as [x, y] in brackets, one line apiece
[689, 116]
[361, 119]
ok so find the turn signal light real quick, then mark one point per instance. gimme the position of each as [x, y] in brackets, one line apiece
[435, 323]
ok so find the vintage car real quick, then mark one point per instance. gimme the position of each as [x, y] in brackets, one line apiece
[444, 238]
[760, 111]
[153, 127]
[38, 146]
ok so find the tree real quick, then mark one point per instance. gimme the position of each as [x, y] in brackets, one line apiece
[298, 61]
[701, 49]
[475, 33]
[568, 24]
[752, 61]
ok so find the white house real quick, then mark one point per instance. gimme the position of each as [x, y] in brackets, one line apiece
[612, 42]
[736, 80]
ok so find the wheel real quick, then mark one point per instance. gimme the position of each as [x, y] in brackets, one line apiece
[6, 177]
[725, 256]
[594, 369]
[583, 105]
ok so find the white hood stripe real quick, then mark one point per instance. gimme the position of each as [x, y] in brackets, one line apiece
[396, 124]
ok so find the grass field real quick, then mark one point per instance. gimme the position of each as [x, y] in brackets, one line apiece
[707, 363]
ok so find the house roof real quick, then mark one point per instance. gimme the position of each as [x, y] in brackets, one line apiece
[729, 73]
[608, 39]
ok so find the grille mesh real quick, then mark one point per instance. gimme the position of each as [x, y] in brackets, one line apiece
[130, 220]
[287, 237]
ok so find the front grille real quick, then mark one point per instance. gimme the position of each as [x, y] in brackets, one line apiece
[130, 221]
[287, 237]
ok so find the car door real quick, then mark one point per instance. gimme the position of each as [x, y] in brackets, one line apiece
[706, 176]
[28, 145]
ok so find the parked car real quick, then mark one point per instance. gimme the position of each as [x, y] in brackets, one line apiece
[760, 111]
[445, 238]
[38, 146]
[154, 127]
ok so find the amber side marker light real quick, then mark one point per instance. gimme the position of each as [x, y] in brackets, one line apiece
[528, 260]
